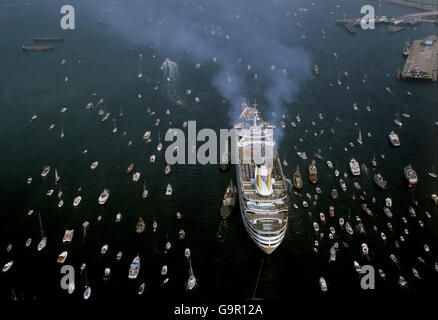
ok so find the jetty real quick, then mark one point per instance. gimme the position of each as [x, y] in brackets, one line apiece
[422, 62]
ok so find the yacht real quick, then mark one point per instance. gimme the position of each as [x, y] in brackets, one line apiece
[46, 170]
[169, 190]
[140, 225]
[313, 173]
[136, 176]
[68, 236]
[378, 180]
[94, 165]
[104, 196]
[62, 257]
[134, 268]
[410, 175]
[354, 167]
[297, 180]
[393, 137]
[77, 200]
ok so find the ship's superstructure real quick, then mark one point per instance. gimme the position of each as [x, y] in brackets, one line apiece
[261, 183]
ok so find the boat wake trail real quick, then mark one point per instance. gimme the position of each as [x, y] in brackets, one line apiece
[171, 81]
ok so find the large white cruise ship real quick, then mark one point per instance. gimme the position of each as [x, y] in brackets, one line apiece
[262, 187]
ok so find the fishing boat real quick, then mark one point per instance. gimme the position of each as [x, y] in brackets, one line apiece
[68, 236]
[62, 256]
[228, 201]
[313, 173]
[104, 196]
[410, 175]
[354, 167]
[140, 225]
[297, 180]
[130, 168]
[45, 171]
[393, 137]
[134, 268]
[379, 181]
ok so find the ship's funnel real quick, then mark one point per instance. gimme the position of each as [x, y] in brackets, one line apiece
[269, 182]
[258, 178]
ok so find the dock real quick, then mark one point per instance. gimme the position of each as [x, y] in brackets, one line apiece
[422, 62]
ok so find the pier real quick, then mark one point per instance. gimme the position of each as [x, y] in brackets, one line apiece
[422, 62]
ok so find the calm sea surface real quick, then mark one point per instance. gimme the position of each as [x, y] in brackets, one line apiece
[99, 60]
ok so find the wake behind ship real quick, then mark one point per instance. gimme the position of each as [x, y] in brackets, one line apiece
[262, 187]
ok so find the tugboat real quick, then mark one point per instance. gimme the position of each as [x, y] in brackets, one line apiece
[297, 180]
[229, 201]
[313, 173]
[410, 175]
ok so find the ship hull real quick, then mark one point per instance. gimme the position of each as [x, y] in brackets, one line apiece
[266, 244]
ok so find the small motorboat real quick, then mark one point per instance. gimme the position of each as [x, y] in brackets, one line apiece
[104, 249]
[71, 287]
[364, 249]
[323, 284]
[87, 293]
[77, 200]
[136, 176]
[94, 165]
[187, 253]
[141, 288]
[169, 190]
[7, 266]
[62, 256]
[106, 274]
[164, 270]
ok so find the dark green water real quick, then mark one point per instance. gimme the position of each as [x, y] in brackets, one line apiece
[33, 83]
